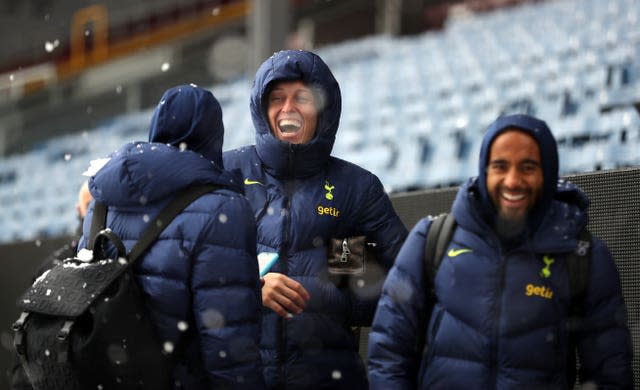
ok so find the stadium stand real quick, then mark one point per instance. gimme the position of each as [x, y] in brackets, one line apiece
[414, 107]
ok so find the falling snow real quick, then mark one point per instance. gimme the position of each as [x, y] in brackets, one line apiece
[213, 319]
[167, 346]
[51, 46]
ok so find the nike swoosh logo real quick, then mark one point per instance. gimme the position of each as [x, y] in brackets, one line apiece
[248, 182]
[457, 252]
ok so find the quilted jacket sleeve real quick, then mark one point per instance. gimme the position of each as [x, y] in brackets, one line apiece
[380, 223]
[226, 297]
[394, 356]
[605, 343]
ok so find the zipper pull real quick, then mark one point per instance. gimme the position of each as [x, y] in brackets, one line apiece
[345, 251]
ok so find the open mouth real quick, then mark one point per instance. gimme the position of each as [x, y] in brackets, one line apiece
[513, 197]
[289, 125]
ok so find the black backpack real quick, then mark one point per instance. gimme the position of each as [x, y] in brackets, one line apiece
[84, 323]
[437, 240]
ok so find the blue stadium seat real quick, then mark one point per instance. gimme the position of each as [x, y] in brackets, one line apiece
[573, 63]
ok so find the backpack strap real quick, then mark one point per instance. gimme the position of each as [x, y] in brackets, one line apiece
[165, 217]
[171, 210]
[578, 264]
[98, 223]
[435, 243]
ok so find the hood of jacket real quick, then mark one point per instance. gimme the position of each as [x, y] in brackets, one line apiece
[548, 156]
[189, 117]
[282, 159]
[142, 173]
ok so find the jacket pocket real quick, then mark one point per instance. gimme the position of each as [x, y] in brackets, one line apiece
[349, 255]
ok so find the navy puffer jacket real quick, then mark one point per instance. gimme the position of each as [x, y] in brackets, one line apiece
[500, 322]
[202, 271]
[302, 197]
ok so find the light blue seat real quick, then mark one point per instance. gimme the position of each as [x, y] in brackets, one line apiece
[408, 97]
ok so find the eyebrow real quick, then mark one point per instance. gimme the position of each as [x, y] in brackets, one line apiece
[530, 161]
[297, 90]
[525, 161]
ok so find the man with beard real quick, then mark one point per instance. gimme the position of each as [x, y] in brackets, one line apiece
[502, 298]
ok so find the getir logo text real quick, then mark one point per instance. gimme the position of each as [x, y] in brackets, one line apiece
[330, 211]
[541, 291]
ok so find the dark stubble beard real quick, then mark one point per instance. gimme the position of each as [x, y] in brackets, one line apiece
[509, 227]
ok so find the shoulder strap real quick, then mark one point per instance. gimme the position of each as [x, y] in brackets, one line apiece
[98, 222]
[436, 242]
[165, 217]
[578, 264]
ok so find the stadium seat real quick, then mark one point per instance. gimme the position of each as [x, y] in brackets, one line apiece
[414, 108]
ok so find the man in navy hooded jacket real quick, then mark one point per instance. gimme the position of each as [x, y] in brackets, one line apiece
[200, 277]
[499, 320]
[302, 197]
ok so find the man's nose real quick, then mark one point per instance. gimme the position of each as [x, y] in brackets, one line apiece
[287, 106]
[512, 178]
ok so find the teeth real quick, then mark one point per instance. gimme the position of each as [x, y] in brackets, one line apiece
[289, 125]
[513, 197]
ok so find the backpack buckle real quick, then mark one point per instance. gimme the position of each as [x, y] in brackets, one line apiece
[18, 338]
[63, 341]
[583, 247]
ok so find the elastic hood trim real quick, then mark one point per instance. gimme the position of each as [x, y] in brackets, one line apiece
[282, 159]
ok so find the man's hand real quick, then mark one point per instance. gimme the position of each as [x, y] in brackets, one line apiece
[283, 295]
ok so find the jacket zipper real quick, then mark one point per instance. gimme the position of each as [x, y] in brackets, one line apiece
[493, 361]
[282, 347]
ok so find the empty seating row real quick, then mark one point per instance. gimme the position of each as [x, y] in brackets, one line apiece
[414, 108]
